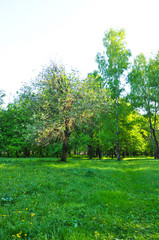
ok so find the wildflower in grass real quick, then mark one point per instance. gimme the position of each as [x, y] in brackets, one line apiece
[13, 235]
[96, 234]
[32, 214]
[94, 218]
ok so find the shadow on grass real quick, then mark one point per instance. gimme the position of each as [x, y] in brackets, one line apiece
[140, 159]
[128, 164]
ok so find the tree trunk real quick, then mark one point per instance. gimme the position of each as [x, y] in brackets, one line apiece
[41, 151]
[98, 152]
[153, 134]
[156, 142]
[90, 151]
[117, 133]
[112, 153]
[124, 154]
[65, 145]
[75, 151]
[64, 151]
[26, 152]
[154, 151]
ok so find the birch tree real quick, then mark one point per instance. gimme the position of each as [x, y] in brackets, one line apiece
[112, 64]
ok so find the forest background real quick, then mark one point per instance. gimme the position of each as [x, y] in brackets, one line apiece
[60, 113]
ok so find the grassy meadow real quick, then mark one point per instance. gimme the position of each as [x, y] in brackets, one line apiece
[79, 200]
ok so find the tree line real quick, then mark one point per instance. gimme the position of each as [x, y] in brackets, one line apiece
[59, 113]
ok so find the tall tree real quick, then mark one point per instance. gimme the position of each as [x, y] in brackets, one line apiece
[112, 64]
[144, 82]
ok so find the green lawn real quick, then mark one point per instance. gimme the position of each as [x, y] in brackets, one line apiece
[79, 200]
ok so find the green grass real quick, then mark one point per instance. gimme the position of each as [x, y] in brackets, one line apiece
[79, 200]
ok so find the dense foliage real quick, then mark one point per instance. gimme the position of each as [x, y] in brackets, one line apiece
[59, 113]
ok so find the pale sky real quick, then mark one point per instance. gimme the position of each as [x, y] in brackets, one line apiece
[33, 32]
